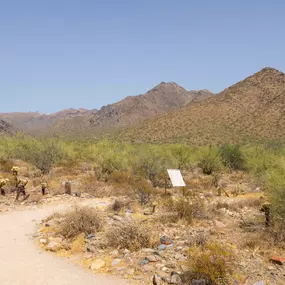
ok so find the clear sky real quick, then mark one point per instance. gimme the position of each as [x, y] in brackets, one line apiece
[58, 54]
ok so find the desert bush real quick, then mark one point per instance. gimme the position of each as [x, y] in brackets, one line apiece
[214, 262]
[183, 156]
[118, 205]
[142, 190]
[209, 161]
[6, 164]
[84, 220]
[120, 177]
[232, 157]
[130, 234]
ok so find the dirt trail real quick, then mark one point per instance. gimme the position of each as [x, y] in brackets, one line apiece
[23, 263]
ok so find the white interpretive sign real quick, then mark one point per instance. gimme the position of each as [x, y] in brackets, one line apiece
[176, 177]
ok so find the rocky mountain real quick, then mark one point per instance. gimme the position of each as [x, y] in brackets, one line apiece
[251, 110]
[6, 128]
[161, 99]
[133, 109]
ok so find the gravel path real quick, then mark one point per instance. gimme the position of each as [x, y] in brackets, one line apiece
[23, 263]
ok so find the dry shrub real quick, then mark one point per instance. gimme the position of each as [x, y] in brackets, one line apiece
[197, 239]
[187, 208]
[80, 220]
[120, 177]
[214, 262]
[118, 205]
[130, 234]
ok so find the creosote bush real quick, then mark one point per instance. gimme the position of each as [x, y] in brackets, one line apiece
[209, 161]
[84, 220]
[232, 157]
[130, 234]
[214, 262]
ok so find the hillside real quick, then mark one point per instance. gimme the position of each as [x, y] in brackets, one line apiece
[34, 122]
[6, 128]
[251, 110]
[161, 99]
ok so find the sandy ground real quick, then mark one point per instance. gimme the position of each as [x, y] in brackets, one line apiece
[22, 262]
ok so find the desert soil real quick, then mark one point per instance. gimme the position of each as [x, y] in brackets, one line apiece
[22, 262]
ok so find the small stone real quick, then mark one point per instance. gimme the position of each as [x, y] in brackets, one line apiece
[156, 280]
[259, 283]
[114, 253]
[161, 247]
[144, 261]
[116, 262]
[97, 264]
[43, 241]
[148, 250]
[175, 278]
[126, 251]
[277, 260]
[198, 282]
[130, 271]
[165, 240]
[148, 268]
[90, 236]
[53, 246]
[153, 258]
[117, 218]
[219, 224]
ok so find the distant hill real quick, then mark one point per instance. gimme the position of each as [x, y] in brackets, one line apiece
[6, 128]
[251, 110]
[34, 122]
[131, 110]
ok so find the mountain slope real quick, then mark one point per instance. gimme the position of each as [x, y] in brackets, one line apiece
[159, 100]
[251, 110]
[6, 128]
[34, 122]
[129, 111]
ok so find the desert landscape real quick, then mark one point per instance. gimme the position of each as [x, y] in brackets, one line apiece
[106, 205]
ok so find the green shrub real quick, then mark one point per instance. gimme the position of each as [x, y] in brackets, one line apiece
[209, 161]
[232, 157]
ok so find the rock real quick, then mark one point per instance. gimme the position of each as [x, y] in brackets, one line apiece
[97, 264]
[116, 262]
[219, 224]
[117, 218]
[156, 280]
[126, 251]
[90, 236]
[53, 246]
[277, 260]
[259, 283]
[148, 250]
[43, 241]
[114, 253]
[130, 271]
[153, 258]
[144, 261]
[161, 247]
[148, 268]
[165, 240]
[175, 278]
[198, 282]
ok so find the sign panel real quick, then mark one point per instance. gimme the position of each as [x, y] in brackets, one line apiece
[176, 177]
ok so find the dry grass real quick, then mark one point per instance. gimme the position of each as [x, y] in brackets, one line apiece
[84, 220]
[131, 234]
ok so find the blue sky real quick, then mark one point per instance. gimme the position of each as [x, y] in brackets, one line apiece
[58, 54]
